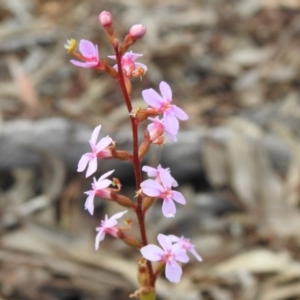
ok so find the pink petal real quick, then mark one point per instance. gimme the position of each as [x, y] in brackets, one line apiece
[152, 98]
[105, 175]
[118, 215]
[172, 137]
[92, 168]
[151, 172]
[196, 255]
[173, 271]
[171, 128]
[99, 237]
[131, 55]
[102, 184]
[85, 158]
[179, 113]
[89, 203]
[150, 127]
[87, 48]
[140, 65]
[97, 53]
[171, 123]
[81, 64]
[168, 208]
[174, 238]
[165, 90]
[112, 57]
[178, 197]
[152, 252]
[151, 188]
[103, 143]
[110, 223]
[166, 178]
[180, 255]
[174, 182]
[95, 135]
[164, 241]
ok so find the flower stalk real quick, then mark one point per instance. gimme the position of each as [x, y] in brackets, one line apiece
[136, 160]
[164, 122]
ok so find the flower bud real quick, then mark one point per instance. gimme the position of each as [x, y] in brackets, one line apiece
[122, 200]
[147, 202]
[143, 114]
[122, 155]
[129, 240]
[137, 31]
[105, 19]
[128, 84]
[144, 147]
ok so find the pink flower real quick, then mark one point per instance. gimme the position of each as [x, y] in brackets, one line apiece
[129, 64]
[108, 225]
[137, 31]
[164, 190]
[169, 254]
[163, 105]
[158, 128]
[89, 54]
[98, 150]
[105, 18]
[99, 188]
[185, 244]
[152, 172]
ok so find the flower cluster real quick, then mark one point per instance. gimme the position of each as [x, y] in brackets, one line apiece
[88, 55]
[164, 119]
[161, 188]
[108, 225]
[130, 67]
[161, 104]
[99, 149]
[99, 188]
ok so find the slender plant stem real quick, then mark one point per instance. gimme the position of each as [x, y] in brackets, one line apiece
[136, 162]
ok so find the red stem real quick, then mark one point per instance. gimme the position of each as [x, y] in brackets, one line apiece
[136, 161]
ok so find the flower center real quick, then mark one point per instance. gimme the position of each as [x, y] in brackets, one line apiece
[167, 106]
[169, 256]
[167, 194]
[128, 64]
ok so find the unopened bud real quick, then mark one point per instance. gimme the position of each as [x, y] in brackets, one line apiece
[137, 31]
[160, 267]
[128, 84]
[122, 155]
[122, 200]
[129, 240]
[105, 19]
[144, 148]
[147, 202]
[143, 114]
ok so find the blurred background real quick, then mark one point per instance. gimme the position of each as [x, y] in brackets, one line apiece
[234, 67]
